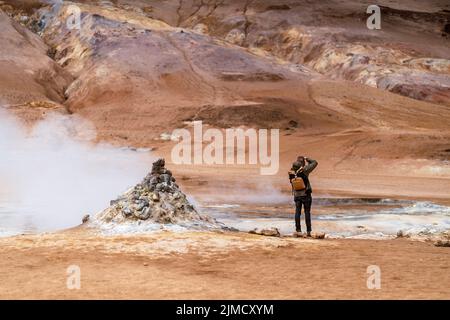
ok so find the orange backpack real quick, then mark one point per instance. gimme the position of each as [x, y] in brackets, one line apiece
[297, 183]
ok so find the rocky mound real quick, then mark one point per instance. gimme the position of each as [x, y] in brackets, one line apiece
[156, 200]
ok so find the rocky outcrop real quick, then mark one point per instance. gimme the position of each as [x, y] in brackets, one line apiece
[156, 200]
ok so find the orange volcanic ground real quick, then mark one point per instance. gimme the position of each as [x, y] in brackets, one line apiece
[372, 106]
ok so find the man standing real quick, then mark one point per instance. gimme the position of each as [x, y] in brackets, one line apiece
[302, 190]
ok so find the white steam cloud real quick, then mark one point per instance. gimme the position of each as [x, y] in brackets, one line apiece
[53, 174]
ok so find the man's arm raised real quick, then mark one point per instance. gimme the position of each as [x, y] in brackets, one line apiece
[312, 164]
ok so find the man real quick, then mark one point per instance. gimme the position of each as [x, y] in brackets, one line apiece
[301, 169]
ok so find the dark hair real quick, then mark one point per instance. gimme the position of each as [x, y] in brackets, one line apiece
[296, 165]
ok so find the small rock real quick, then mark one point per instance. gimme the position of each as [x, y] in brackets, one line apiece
[177, 195]
[442, 243]
[141, 205]
[400, 234]
[318, 235]
[314, 235]
[85, 218]
[293, 124]
[166, 178]
[155, 197]
[154, 180]
[157, 166]
[127, 212]
[299, 235]
[144, 214]
[270, 232]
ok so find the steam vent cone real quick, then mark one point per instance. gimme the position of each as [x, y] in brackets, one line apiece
[157, 199]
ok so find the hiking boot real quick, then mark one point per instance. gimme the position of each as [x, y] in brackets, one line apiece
[308, 234]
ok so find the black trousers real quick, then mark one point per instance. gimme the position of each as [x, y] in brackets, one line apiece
[306, 202]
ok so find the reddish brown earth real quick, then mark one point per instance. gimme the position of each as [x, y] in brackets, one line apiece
[371, 106]
[219, 266]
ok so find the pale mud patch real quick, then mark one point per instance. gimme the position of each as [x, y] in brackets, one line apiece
[156, 244]
[351, 218]
[424, 167]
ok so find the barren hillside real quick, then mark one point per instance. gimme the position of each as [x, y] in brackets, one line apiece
[138, 69]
